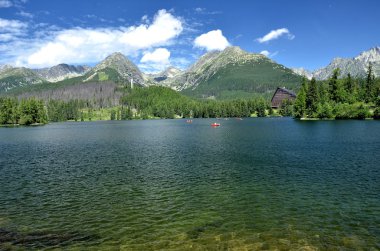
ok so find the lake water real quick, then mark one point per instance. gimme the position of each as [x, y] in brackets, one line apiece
[260, 183]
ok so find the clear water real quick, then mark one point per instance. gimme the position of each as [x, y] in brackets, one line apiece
[270, 183]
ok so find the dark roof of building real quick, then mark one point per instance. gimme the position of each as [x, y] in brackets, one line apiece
[291, 93]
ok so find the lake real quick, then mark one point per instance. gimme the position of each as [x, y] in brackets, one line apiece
[259, 183]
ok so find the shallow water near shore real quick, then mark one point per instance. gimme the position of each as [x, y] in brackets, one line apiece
[255, 184]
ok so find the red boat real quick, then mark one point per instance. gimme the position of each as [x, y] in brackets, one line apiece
[215, 124]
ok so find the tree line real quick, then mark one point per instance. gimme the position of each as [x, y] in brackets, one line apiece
[163, 102]
[339, 98]
[137, 103]
[24, 112]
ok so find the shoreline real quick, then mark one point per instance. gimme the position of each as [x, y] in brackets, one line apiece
[157, 118]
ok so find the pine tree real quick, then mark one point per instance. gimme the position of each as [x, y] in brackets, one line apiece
[300, 102]
[312, 98]
[350, 89]
[370, 90]
[335, 87]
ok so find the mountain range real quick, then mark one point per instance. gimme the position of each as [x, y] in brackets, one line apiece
[356, 66]
[230, 73]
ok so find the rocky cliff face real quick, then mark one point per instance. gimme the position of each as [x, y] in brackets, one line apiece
[303, 72]
[168, 73]
[61, 72]
[356, 66]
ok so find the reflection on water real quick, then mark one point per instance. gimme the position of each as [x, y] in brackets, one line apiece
[254, 184]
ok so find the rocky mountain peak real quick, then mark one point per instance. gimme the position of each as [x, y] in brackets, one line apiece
[5, 67]
[303, 72]
[233, 50]
[116, 56]
[171, 71]
[372, 55]
[124, 67]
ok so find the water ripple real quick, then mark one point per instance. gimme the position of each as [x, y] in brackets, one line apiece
[256, 184]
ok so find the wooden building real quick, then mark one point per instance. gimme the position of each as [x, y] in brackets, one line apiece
[281, 94]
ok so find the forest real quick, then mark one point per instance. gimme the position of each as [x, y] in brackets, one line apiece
[24, 112]
[138, 103]
[336, 98]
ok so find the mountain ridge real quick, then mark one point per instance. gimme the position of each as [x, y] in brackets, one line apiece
[357, 66]
[61, 71]
[215, 74]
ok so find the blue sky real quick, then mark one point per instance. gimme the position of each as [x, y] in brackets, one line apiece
[155, 34]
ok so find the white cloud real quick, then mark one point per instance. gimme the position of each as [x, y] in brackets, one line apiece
[200, 10]
[25, 14]
[80, 45]
[11, 29]
[7, 25]
[269, 54]
[265, 53]
[6, 37]
[155, 61]
[159, 55]
[212, 40]
[145, 19]
[274, 34]
[5, 3]
[164, 27]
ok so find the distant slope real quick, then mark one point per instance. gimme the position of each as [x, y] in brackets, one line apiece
[61, 72]
[234, 73]
[96, 95]
[168, 73]
[11, 77]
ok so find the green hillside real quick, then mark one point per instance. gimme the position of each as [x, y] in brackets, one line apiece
[17, 78]
[106, 75]
[235, 73]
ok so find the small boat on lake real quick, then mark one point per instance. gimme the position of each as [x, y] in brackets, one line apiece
[215, 124]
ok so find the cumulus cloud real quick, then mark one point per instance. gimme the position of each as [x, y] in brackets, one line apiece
[155, 61]
[5, 4]
[159, 55]
[80, 45]
[164, 27]
[212, 40]
[274, 34]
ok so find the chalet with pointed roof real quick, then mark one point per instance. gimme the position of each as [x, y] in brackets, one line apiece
[280, 95]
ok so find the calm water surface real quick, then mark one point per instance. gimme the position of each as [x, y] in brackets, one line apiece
[272, 183]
